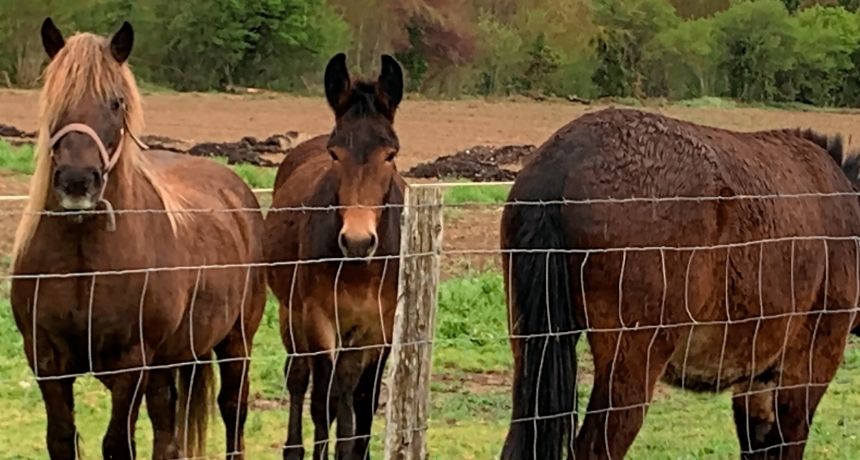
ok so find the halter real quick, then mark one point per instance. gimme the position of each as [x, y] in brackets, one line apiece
[108, 161]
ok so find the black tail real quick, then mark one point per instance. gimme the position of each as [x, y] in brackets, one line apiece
[545, 366]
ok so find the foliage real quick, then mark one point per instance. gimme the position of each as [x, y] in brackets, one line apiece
[756, 42]
[502, 56]
[626, 29]
[780, 51]
[830, 38]
[681, 61]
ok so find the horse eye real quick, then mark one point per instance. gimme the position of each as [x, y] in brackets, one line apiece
[332, 154]
[391, 156]
[116, 104]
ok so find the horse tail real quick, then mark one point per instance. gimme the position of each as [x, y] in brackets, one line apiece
[543, 333]
[195, 399]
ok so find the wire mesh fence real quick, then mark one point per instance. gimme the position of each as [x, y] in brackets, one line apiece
[451, 316]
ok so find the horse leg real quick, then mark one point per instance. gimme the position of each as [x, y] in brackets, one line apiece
[323, 404]
[161, 399]
[297, 372]
[366, 402]
[627, 366]
[127, 390]
[233, 353]
[348, 370]
[62, 435]
[773, 418]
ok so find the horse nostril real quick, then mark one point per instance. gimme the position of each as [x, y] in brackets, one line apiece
[342, 242]
[57, 176]
[372, 243]
[76, 182]
[97, 179]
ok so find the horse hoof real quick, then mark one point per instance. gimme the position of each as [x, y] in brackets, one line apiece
[294, 453]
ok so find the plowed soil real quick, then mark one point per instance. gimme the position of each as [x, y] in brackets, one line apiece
[427, 130]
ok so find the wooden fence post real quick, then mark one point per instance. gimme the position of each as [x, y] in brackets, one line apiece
[411, 350]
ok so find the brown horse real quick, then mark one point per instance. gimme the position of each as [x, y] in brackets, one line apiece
[104, 285]
[753, 294]
[338, 288]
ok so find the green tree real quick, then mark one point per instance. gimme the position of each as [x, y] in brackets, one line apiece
[543, 61]
[413, 60]
[626, 28]
[287, 39]
[755, 43]
[827, 40]
[21, 53]
[681, 60]
[501, 56]
[792, 5]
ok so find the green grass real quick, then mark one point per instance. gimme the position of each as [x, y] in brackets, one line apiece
[467, 421]
[471, 324]
[16, 160]
[708, 102]
[148, 88]
[476, 194]
[254, 176]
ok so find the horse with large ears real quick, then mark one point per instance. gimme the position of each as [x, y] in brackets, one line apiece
[333, 232]
[114, 277]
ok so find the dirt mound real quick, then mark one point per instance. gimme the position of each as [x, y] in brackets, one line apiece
[480, 163]
[165, 143]
[249, 150]
[13, 132]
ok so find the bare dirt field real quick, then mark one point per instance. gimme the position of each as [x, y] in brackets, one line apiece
[427, 130]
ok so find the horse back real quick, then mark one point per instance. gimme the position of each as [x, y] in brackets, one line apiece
[621, 154]
[642, 181]
[232, 220]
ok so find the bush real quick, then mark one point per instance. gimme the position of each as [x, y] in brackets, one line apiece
[784, 51]
[755, 42]
[827, 41]
[626, 29]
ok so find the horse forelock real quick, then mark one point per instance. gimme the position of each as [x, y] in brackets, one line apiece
[84, 68]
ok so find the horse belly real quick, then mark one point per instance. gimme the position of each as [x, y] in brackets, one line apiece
[208, 318]
[715, 357]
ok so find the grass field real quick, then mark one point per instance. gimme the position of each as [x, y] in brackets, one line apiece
[470, 400]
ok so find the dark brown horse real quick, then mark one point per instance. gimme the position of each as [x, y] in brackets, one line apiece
[99, 280]
[338, 301]
[753, 294]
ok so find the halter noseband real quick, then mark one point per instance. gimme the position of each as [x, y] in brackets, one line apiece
[108, 161]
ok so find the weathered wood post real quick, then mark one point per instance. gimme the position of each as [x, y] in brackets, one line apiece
[411, 351]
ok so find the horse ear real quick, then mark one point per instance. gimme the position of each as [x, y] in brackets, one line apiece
[390, 82]
[52, 38]
[337, 83]
[122, 42]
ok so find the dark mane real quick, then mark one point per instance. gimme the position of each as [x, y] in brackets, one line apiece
[834, 145]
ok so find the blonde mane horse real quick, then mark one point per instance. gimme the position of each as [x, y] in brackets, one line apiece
[115, 276]
[67, 83]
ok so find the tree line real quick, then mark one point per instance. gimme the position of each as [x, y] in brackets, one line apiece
[752, 50]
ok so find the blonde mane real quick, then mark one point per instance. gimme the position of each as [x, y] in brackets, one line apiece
[84, 68]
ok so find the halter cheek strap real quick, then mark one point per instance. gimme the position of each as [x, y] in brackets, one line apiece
[108, 161]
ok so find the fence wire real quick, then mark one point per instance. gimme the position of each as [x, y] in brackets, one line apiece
[345, 340]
